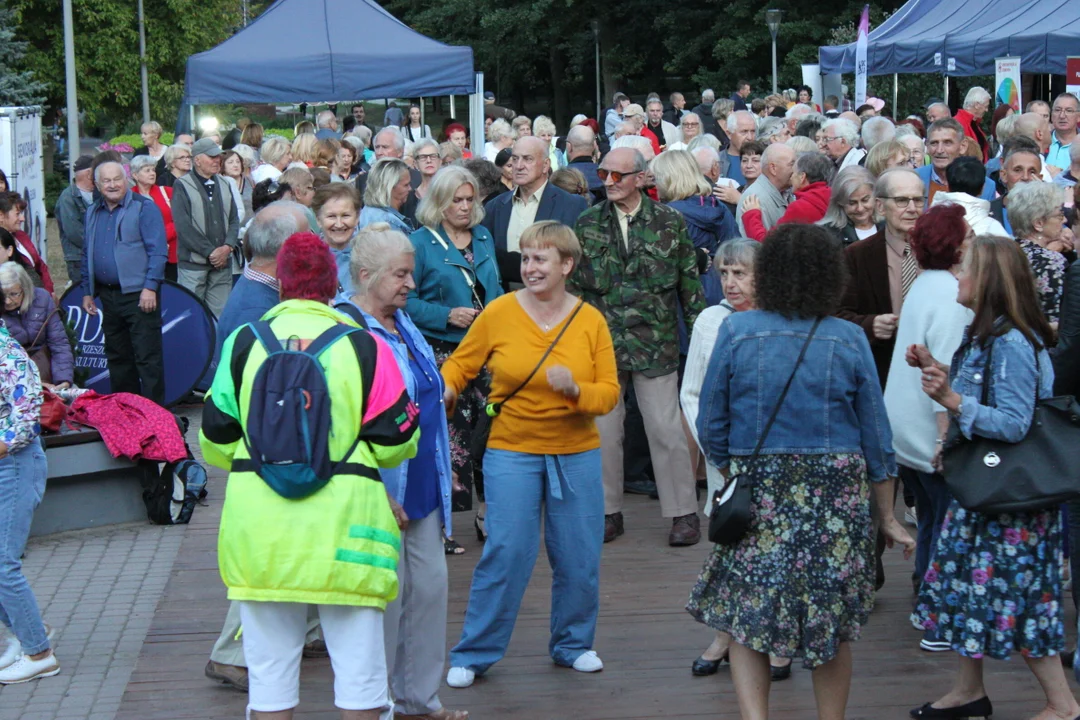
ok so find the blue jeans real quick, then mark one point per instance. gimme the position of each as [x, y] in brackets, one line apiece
[22, 485]
[931, 503]
[519, 486]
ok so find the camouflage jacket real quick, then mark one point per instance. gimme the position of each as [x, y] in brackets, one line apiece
[640, 290]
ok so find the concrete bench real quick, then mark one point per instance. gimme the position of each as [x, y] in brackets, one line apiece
[87, 486]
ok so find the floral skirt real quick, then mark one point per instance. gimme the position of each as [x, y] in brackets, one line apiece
[802, 579]
[993, 586]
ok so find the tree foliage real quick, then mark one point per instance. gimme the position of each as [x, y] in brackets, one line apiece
[17, 85]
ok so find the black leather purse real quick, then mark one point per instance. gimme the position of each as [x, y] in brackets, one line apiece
[729, 513]
[1039, 472]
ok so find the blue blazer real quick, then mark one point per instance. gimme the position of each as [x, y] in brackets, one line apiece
[441, 283]
[989, 190]
[555, 204]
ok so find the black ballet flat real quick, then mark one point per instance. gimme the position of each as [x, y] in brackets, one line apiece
[980, 709]
[780, 672]
[703, 667]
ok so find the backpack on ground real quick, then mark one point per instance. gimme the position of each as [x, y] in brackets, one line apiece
[288, 419]
[171, 493]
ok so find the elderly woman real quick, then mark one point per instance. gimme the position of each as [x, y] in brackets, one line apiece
[25, 653]
[456, 276]
[553, 369]
[341, 167]
[500, 136]
[690, 126]
[144, 173]
[425, 155]
[1037, 220]
[381, 267]
[976, 103]
[810, 184]
[234, 170]
[544, 129]
[809, 467]
[569, 179]
[151, 133]
[303, 149]
[750, 162]
[32, 318]
[887, 155]
[994, 583]
[268, 539]
[275, 154]
[177, 164]
[850, 216]
[522, 126]
[908, 136]
[387, 191]
[337, 210]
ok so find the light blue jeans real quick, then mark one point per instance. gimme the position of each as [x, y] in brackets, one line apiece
[22, 485]
[567, 493]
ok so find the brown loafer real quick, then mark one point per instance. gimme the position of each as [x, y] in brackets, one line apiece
[685, 530]
[613, 526]
[440, 714]
[231, 675]
[316, 649]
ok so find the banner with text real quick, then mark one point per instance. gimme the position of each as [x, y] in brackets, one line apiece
[1007, 82]
[1072, 75]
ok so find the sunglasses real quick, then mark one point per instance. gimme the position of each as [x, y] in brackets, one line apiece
[616, 176]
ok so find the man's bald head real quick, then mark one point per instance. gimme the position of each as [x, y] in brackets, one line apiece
[580, 142]
[1033, 125]
[778, 164]
[530, 163]
[853, 118]
[272, 226]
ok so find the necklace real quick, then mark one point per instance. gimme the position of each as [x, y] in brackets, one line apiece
[546, 323]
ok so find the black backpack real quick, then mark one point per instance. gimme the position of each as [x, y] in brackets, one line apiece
[172, 492]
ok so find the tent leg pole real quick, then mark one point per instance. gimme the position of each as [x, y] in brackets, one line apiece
[895, 94]
[73, 137]
[453, 109]
[422, 115]
[191, 109]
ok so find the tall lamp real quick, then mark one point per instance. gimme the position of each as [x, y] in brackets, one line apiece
[772, 19]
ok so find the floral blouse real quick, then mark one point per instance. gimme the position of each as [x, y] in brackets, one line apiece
[20, 395]
[1049, 269]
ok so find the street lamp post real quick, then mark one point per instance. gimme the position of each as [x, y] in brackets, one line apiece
[772, 18]
[596, 39]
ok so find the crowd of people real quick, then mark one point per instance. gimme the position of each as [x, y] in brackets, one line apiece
[804, 298]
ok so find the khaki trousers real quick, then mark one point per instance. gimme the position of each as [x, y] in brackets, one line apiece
[658, 399]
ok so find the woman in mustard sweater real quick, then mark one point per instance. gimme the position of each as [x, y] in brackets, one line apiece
[543, 455]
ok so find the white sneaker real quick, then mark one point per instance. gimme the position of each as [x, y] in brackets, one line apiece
[910, 517]
[460, 677]
[24, 669]
[589, 662]
[12, 646]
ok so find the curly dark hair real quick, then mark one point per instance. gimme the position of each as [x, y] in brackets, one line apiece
[800, 272]
[938, 235]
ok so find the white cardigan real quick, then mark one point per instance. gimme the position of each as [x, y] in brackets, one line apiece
[702, 342]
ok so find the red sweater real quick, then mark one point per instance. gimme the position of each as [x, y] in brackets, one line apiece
[39, 264]
[810, 205]
[651, 137]
[162, 197]
[973, 130]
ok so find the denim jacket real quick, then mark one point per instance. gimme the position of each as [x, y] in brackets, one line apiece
[834, 404]
[1012, 386]
[396, 478]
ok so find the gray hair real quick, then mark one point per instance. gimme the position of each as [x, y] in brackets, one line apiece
[274, 147]
[722, 108]
[733, 119]
[634, 142]
[1074, 151]
[364, 133]
[877, 130]
[816, 167]
[399, 139]
[798, 111]
[846, 183]
[770, 126]
[707, 140]
[975, 96]
[170, 154]
[802, 144]
[384, 175]
[542, 123]
[272, 226]
[843, 128]
[708, 96]
[356, 144]
[1031, 202]
[903, 131]
[931, 106]
[97, 170]
[372, 250]
[1006, 128]
[139, 162]
[706, 157]
[12, 274]
[738, 251]
[441, 195]
[884, 184]
[422, 143]
[325, 118]
[247, 155]
[678, 176]
[501, 130]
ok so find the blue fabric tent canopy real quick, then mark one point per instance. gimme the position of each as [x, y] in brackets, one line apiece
[311, 50]
[923, 35]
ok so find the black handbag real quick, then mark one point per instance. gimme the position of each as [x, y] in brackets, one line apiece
[1039, 472]
[482, 428]
[729, 514]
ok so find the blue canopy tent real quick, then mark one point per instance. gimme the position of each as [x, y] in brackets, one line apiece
[311, 50]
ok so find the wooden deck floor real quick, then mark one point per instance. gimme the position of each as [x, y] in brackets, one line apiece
[645, 638]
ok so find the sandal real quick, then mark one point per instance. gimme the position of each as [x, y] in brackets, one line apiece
[452, 547]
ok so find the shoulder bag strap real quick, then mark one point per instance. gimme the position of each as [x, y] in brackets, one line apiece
[45, 326]
[496, 407]
[784, 392]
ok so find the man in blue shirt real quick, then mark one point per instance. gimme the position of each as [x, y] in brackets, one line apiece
[1064, 116]
[123, 259]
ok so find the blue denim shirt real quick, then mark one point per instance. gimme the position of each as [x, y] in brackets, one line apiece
[395, 478]
[1012, 386]
[834, 404]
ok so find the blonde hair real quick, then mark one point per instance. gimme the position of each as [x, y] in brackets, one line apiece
[154, 127]
[877, 160]
[441, 194]
[326, 151]
[552, 234]
[678, 176]
[372, 248]
[542, 124]
[384, 175]
[303, 148]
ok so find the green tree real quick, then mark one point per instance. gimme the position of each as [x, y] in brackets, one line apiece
[17, 86]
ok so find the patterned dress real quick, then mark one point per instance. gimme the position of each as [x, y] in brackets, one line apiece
[801, 581]
[1049, 269]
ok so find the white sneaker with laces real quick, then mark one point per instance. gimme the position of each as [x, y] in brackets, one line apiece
[589, 662]
[12, 648]
[24, 669]
[460, 677]
[910, 517]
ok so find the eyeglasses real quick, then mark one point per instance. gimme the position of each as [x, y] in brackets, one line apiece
[428, 157]
[830, 139]
[616, 176]
[904, 202]
[1063, 111]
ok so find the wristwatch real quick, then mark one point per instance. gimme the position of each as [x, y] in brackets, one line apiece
[959, 409]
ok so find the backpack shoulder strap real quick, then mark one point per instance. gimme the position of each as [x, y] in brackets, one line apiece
[327, 338]
[265, 335]
[347, 308]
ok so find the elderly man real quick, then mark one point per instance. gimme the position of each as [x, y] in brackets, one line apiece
[741, 129]
[840, 136]
[70, 214]
[635, 116]
[976, 103]
[830, 107]
[581, 154]
[1021, 163]
[945, 141]
[742, 91]
[207, 228]
[876, 130]
[638, 267]
[770, 189]
[704, 111]
[1039, 107]
[123, 259]
[389, 142]
[328, 126]
[796, 113]
[1064, 115]
[664, 131]
[708, 161]
[882, 267]
[534, 199]
[614, 114]
[1036, 128]
[937, 111]
[1071, 176]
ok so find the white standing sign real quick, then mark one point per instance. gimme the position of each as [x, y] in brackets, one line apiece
[21, 159]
